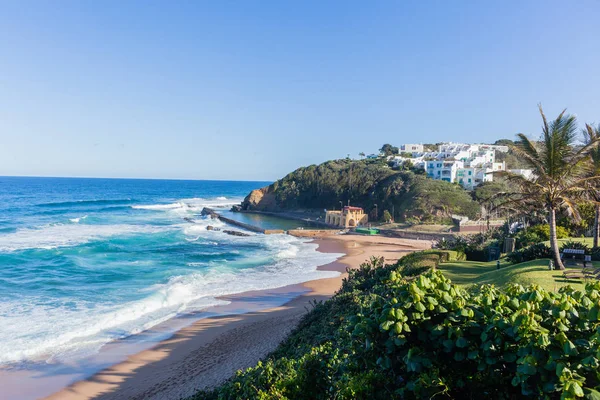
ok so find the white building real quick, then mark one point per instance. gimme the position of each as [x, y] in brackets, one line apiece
[410, 148]
[466, 164]
[526, 173]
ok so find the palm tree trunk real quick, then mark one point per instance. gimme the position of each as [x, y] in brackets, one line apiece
[554, 240]
[597, 225]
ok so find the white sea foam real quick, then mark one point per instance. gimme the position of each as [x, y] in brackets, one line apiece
[192, 204]
[59, 235]
[76, 220]
[59, 333]
[171, 206]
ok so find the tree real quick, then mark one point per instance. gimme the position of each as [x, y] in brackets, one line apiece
[504, 142]
[388, 150]
[387, 217]
[591, 134]
[361, 154]
[486, 195]
[561, 169]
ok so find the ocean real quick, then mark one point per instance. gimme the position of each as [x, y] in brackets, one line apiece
[84, 262]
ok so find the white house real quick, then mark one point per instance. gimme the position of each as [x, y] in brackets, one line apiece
[467, 164]
[410, 148]
[526, 173]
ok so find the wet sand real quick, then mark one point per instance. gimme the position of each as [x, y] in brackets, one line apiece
[210, 350]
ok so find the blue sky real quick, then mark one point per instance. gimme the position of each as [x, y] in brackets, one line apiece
[254, 89]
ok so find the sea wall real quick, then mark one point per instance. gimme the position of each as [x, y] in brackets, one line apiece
[311, 233]
[213, 214]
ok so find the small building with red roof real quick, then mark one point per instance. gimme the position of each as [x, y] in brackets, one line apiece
[347, 217]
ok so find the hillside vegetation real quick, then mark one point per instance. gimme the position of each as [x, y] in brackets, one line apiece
[364, 183]
[390, 334]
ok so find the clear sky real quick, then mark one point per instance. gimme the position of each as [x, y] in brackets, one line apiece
[254, 89]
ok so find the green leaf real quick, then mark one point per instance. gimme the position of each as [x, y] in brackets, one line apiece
[526, 369]
[398, 328]
[385, 326]
[591, 394]
[462, 342]
[575, 389]
[593, 314]
[570, 349]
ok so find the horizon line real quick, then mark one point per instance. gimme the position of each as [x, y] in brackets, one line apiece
[134, 178]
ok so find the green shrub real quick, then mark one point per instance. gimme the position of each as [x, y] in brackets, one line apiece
[528, 237]
[476, 254]
[419, 262]
[533, 252]
[543, 232]
[571, 244]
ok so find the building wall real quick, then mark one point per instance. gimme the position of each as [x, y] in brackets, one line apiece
[410, 148]
[346, 218]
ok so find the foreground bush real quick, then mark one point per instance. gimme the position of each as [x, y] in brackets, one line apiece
[386, 336]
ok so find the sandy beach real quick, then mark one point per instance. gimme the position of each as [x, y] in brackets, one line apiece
[210, 350]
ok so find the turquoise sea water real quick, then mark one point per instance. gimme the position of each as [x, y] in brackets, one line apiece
[86, 261]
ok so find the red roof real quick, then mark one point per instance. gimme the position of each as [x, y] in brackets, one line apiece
[350, 208]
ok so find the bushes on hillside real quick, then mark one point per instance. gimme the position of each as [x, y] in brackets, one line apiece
[368, 183]
[424, 337]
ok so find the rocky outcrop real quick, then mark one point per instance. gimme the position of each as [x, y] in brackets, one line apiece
[262, 199]
[235, 233]
[208, 211]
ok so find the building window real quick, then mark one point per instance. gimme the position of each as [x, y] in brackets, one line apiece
[438, 172]
[469, 180]
[439, 165]
[470, 174]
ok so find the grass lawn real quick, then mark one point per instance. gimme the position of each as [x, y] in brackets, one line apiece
[587, 240]
[466, 273]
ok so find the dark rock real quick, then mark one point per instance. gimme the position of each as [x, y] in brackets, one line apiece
[235, 233]
[260, 200]
[207, 211]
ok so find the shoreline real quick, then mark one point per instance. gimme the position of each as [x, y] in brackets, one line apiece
[208, 351]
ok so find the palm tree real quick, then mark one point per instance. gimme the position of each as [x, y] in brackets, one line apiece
[591, 134]
[561, 170]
